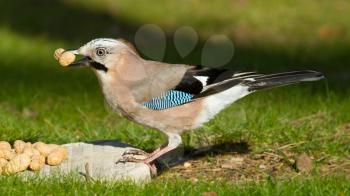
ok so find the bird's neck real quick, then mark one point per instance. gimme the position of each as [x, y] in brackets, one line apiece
[117, 94]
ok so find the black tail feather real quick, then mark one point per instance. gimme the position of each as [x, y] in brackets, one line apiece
[256, 81]
[281, 79]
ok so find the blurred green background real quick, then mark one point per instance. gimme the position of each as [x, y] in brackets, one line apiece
[265, 34]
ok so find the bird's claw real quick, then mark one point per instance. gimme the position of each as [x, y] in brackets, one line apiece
[135, 152]
[133, 155]
[127, 157]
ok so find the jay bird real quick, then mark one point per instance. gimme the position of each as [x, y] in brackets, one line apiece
[171, 98]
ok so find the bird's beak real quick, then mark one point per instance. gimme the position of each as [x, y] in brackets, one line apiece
[84, 61]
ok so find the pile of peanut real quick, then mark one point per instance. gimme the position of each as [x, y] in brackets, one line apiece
[25, 155]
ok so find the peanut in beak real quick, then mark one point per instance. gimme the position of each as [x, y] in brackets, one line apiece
[64, 58]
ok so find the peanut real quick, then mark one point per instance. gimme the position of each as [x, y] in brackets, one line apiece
[42, 148]
[31, 151]
[57, 156]
[19, 146]
[45, 149]
[28, 145]
[65, 58]
[5, 145]
[7, 153]
[38, 162]
[3, 162]
[58, 53]
[53, 147]
[17, 164]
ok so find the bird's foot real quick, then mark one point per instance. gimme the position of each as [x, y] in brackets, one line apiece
[148, 159]
[135, 152]
[138, 156]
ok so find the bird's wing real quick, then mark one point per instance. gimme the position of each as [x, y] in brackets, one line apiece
[195, 83]
[200, 82]
[198, 79]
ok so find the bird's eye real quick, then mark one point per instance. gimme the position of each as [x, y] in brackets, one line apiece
[100, 51]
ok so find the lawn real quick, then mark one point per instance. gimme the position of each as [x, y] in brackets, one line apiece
[71, 186]
[268, 130]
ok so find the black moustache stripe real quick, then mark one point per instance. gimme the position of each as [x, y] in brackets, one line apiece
[99, 66]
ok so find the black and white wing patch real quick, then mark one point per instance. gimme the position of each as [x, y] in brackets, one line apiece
[197, 78]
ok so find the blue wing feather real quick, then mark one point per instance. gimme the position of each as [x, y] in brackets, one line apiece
[170, 99]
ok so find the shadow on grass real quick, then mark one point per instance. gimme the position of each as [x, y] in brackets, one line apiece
[172, 159]
[241, 147]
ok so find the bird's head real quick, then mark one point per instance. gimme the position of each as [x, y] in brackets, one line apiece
[99, 53]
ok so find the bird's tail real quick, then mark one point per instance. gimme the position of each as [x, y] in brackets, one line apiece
[281, 79]
[219, 96]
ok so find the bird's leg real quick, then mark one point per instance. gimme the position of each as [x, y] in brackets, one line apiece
[174, 140]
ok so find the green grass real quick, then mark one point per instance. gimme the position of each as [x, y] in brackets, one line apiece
[41, 101]
[333, 185]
